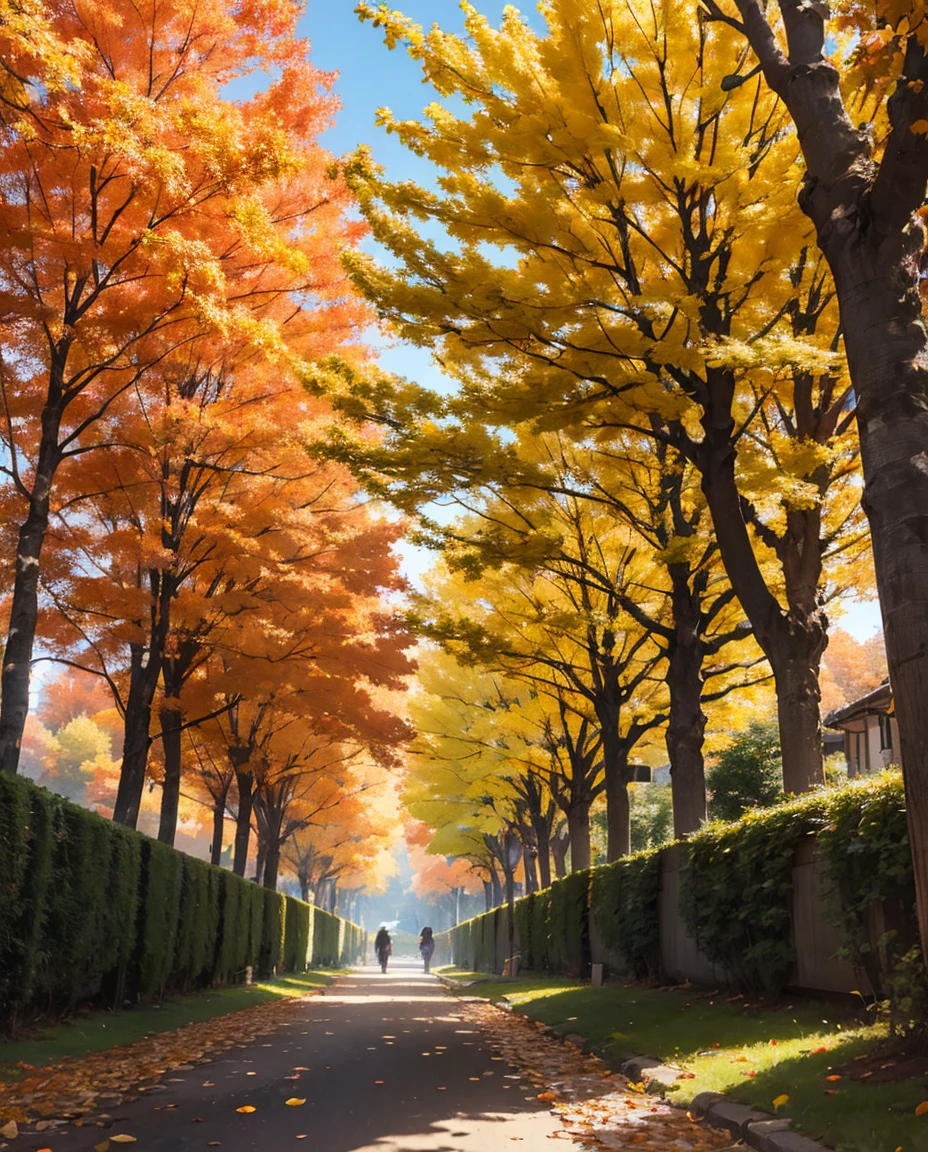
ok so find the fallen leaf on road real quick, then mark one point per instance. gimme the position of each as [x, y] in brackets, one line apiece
[378, 1081]
[122, 1138]
[545, 1096]
[246, 1108]
[208, 1084]
[101, 1147]
[10, 1131]
[294, 1102]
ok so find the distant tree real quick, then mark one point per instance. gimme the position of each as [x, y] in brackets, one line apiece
[651, 815]
[748, 774]
[856, 666]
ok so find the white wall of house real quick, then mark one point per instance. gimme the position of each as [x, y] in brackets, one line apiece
[870, 743]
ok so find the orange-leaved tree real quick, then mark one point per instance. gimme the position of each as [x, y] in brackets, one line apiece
[133, 223]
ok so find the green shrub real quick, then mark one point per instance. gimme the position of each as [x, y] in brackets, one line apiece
[297, 936]
[159, 914]
[861, 832]
[624, 901]
[541, 929]
[273, 937]
[26, 844]
[569, 924]
[749, 774]
[198, 926]
[523, 919]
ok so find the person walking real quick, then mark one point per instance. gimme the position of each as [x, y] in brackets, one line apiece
[426, 946]
[383, 946]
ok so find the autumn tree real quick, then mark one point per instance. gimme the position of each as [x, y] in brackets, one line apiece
[854, 80]
[655, 278]
[133, 222]
[856, 666]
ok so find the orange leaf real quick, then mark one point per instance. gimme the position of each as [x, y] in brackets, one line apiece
[922, 1108]
[246, 1108]
[546, 1096]
[833, 1077]
[294, 1102]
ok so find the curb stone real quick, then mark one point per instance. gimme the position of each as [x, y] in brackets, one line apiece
[758, 1129]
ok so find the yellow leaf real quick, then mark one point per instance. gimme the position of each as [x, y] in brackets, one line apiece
[922, 1108]
[779, 1101]
[246, 1108]
[122, 1138]
[919, 127]
[101, 1147]
[294, 1102]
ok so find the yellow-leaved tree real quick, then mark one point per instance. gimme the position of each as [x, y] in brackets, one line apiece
[614, 249]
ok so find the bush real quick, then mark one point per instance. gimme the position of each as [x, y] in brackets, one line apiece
[89, 910]
[569, 924]
[747, 775]
[624, 900]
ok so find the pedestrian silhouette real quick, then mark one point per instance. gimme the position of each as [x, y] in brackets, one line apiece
[426, 946]
[383, 946]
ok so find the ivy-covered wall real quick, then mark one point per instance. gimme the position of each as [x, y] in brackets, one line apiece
[737, 900]
[91, 911]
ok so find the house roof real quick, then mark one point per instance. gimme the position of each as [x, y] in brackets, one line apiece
[875, 703]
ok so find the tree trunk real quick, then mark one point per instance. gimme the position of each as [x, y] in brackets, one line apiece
[487, 896]
[219, 814]
[272, 865]
[793, 641]
[559, 845]
[245, 779]
[24, 608]
[143, 680]
[618, 816]
[529, 854]
[170, 790]
[578, 826]
[303, 878]
[687, 723]
[542, 830]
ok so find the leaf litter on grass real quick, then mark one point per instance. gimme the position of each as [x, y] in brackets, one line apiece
[599, 1109]
[72, 1090]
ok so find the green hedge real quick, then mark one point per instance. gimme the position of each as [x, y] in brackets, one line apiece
[91, 911]
[736, 895]
[624, 901]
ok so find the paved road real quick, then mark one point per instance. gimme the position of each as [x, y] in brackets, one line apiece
[385, 1063]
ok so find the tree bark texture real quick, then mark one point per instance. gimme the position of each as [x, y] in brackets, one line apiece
[245, 780]
[578, 826]
[24, 608]
[685, 734]
[170, 789]
[793, 640]
[219, 814]
[866, 221]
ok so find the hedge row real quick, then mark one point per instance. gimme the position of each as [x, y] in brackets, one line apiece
[736, 895]
[90, 910]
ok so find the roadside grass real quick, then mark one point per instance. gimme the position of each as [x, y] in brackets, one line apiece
[101, 1031]
[753, 1052]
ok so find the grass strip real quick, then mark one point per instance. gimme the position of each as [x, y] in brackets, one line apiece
[754, 1053]
[102, 1031]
